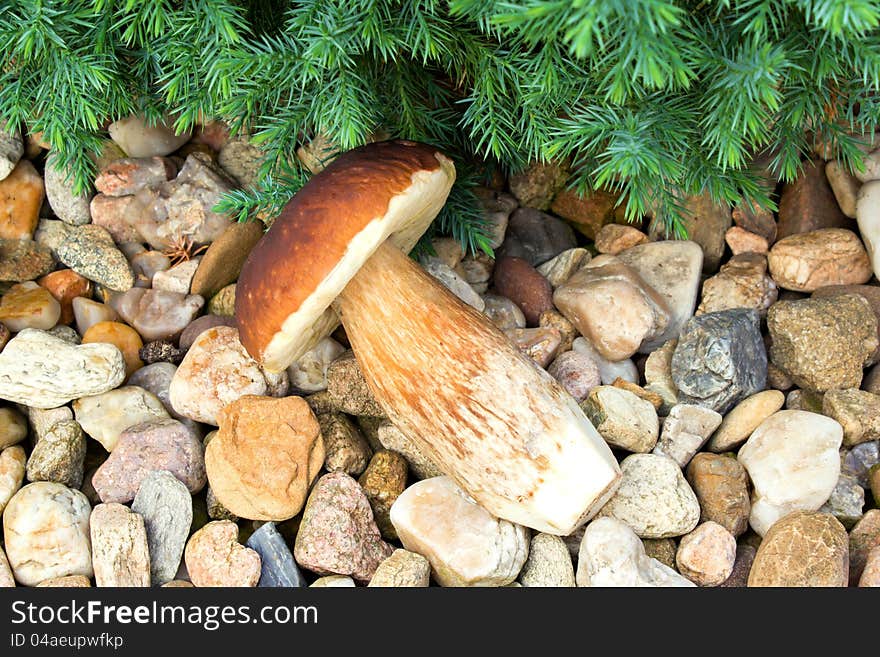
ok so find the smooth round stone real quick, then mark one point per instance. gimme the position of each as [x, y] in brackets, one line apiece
[807, 261]
[12, 469]
[59, 455]
[609, 371]
[157, 314]
[401, 570]
[792, 459]
[844, 185]
[549, 563]
[138, 138]
[214, 557]
[119, 547]
[742, 241]
[559, 269]
[72, 208]
[28, 305]
[156, 378]
[453, 282]
[653, 498]
[13, 427]
[66, 285]
[743, 419]
[863, 538]
[147, 264]
[520, 282]
[706, 555]
[309, 373]
[87, 313]
[503, 312]
[613, 239]
[278, 567]
[576, 372]
[69, 581]
[11, 150]
[6, 578]
[199, 325]
[104, 417]
[46, 533]
[166, 507]
[622, 419]
[123, 337]
[871, 575]
[333, 581]
[722, 488]
[176, 279]
[21, 195]
[868, 217]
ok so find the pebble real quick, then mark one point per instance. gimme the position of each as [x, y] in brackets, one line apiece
[265, 456]
[392, 438]
[743, 419]
[156, 445]
[652, 398]
[129, 175]
[845, 187]
[685, 431]
[559, 269]
[793, 463]
[567, 331]
[503, 312]
[346, 449]
[29, 305]
[59, 455]
[752, 217]
[722, 489]
[576, 372]
[653, 498]
[807, 261]
[65, 285]
[549, 563]
[138, 138]
[46, 533]
[50, 234]
[616, 238]
[166, 507]
[120, 215]
[309, 373]
[87, 313]
[857, 411]
[863, 538]
[742, 241]
[121, 336]
[348, 389]
[12, 470]
[160, 351]
[72, 208]
[535, 236]
[540, 344]
[587, 213]
[823, 343]
[337, 533]
[176, 279]
[537, 184]
[31, 362]
[104, 417]
[157, 314]
[739, 578]
[11, 150]
[333, 581]
[24, 260]
[871, 293]
[609, 371]
[89, 250]
[454, 283]
[7, 580]
[706, 555]
[611, 555]
[223, 303]
[520, 282]
[846, 501]
[868, 217]
[720, 359]
[808, 203]
[216, 371]
[402, 569]
[871, 574]
[21, 195]
[70, 581]
[613, 307]
[706, 223]
[465, 544]
[622, 419]
[802, 549]
[859, 460]
[658, 375]
[742, 282]
[496, 207]
[214, 557]
[672, 268]
[383, 481]
[42, 420]
[120, 556]
[241, 158]
[156, 378]
[278, 567]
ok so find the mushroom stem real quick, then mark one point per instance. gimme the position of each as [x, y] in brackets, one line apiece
[503, 428]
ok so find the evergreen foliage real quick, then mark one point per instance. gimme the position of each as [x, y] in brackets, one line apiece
[654, 98]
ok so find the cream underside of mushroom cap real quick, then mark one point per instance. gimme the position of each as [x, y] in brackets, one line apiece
[408, 216]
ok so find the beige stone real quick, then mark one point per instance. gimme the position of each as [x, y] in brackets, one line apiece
[119, 547]
[214, 557]
[706, 555]
[29, 305]
[807, 261]
[743, 419]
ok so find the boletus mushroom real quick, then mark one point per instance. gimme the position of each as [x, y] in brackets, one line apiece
[500, 426]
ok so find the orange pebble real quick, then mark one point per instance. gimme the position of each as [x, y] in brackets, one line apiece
[124, 337]
[65, 285]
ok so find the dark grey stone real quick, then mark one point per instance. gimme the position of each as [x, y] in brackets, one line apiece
[536, 237]
[278, 566]
[720, 359]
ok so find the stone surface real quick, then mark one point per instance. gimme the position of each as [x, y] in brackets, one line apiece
[402, 569]
[214, 557]
[264, 457]
[846, 501]
[613, 307]
[278, 567]
[871, 575]
[611, 555]
[453, 282]
[868, 217]
[21, 195]
[138, 138]
[65, 285]
[549, 563]
[845, 187]
[121, 336]
[653, 498]
[802, 549]
[201, 324]
[464, 543]
[871, 294]
[348, 389]
[24, 260]
[857, 411]
[742, 241]
[752, 217]
[520, 282]
[178, 278]
[129, 175]
[793, 463]
[29, 305]
[722, 489]
[87, 313]
[218, 370]
[720, 359]
[120, 556]
[156, 445]
[240, 158]
[536, 185]
[609, 371]
[588, 214]
[46, 533]
[615, 238]
[157, 314]
[59, 455]
[31, 362]
[622, 419]
[309, 373]
[536, 237]
[346, 449]
[706, 556]
[104, 417]
[160, 351]
[89, 250]
[742, 282]
[12, 470]
[165, 505]
[11, 150]
[392, 438]
[503, 312]
[540, 344]
[739, 578]
[823, 343]
[859, 460]
[685, 430]
[743, 419]
[223, 303]
[864, 537]
[706, 223]
[804, 262]
[337, 533]
[658, 375]
[808, 203]
[577, 372]
[559, 269]
[72, 208]
[672, 268]
[333, 581]
[567, 331]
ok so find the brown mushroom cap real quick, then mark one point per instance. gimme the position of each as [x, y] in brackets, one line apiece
[384, 190]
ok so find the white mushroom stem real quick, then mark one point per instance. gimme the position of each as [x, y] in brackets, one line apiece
[501, 427]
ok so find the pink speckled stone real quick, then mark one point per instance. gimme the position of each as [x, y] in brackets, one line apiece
[214, 557]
